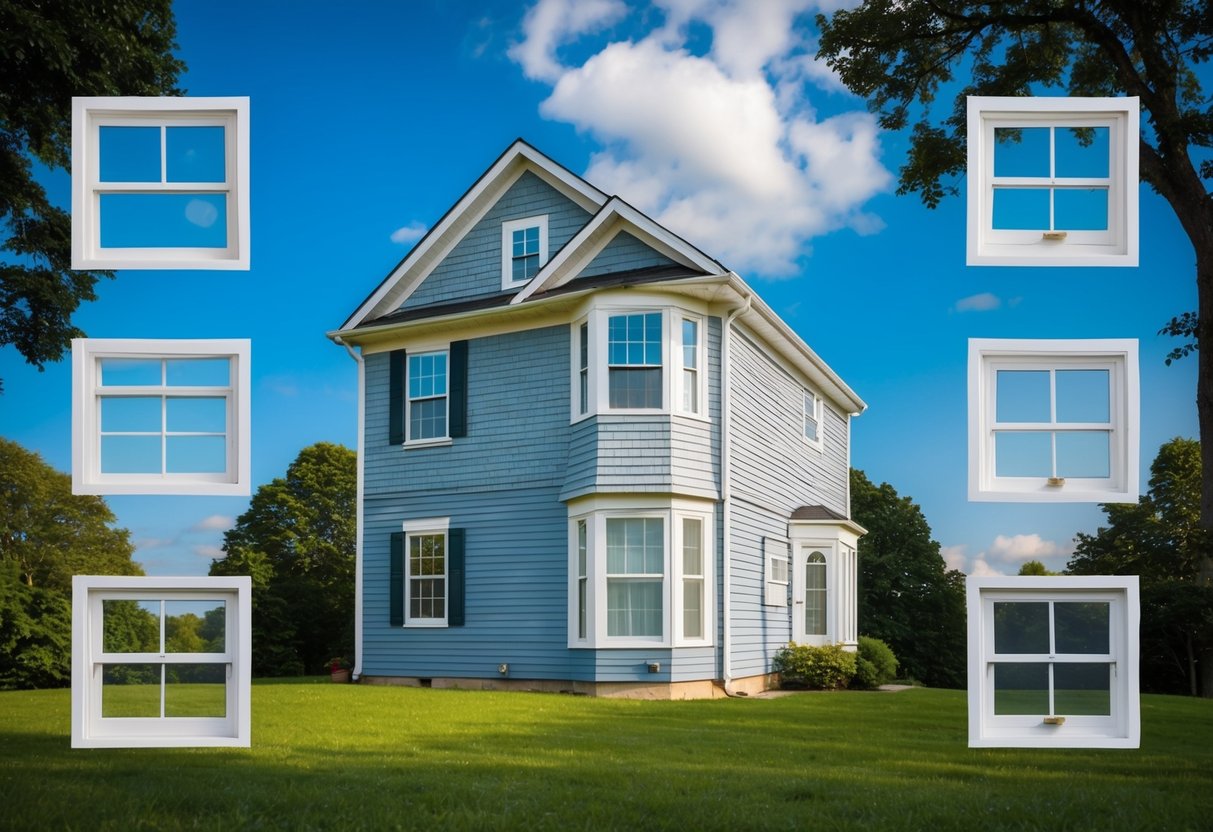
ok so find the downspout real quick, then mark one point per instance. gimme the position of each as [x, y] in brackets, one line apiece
[354, 354]
[726, 496]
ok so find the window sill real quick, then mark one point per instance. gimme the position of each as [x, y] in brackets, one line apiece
[427, 443]
[424, 625]
[1040, 492]
[191, 487]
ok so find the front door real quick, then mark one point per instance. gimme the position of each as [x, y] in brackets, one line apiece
[812, 599]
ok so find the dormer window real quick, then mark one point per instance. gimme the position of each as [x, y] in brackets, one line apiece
[524, 250]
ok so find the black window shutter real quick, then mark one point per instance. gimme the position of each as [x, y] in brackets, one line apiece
[459, 388]
[455, 570]
[396, 582]
[395, 396]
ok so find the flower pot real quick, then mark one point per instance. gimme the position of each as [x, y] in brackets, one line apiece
[341, 675]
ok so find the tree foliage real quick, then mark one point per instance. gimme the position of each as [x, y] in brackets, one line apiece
[908, 598]
[1034, 567]
[296, 541]
[49, 52]
[1158, 538]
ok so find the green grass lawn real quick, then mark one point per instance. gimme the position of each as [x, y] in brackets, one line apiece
[348, 756]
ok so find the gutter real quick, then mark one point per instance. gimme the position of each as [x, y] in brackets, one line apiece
[356, 673]
[726, 497]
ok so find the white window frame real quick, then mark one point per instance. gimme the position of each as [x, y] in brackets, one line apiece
[699, 383]
[1122, 729]
[427, 527]
[87, 354]
[594, 512]
[417, 352]
[1118, 356]
[777, 563]
[507, 248]
[1118, 246]
[814, 409]
[91, 730]
[89, 114]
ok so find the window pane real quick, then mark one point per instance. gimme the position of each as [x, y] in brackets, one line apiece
[1022, 396]
[199, 372]
[121, 414]
[1021, 627]
[1021, 209]
[1082, 395]
[1023, 454]
[1021, 151]
[692, 546]
[634, 608]
[692, 608]
[635, 545]
[635, 388]
[1083, 454]
[584, 339]
[815, 612]
[1080, 209]
[164, 220]
[1082, 152]
[1081, 627]
[427, 419]
[690, 344]
[117, 372]
[129, 154]
[130, 690]
[196, 454]
[1021, 688]
[196, 414]
[130, 626]
[690, 391]
[1082, 689]
[195, 154]
[194, 626]
[427, 598]
[195, 690]
[130, 454]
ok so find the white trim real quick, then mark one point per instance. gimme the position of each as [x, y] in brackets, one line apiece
[91, 730]
[1117, 246]
[1117, 356]
[1121, 728]
[87, 354]
[429, 441]
[679, 370]
[359, 511]
[88, 114]
[427, 527]
[507, 248]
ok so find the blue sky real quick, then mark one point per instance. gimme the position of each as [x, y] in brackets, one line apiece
[367, 123]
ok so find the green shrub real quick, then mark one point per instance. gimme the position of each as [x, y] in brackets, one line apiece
[875, 665]
[817, 668]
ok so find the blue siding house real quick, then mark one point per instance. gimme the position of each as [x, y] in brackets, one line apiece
[591, 458]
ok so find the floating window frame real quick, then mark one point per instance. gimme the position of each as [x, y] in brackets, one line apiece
[1118, 246]
[90, 114]
[1121, 728]
[89, 729]
[1117, 355]
[87, 392]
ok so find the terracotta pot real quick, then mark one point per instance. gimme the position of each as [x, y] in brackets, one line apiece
[342, 675]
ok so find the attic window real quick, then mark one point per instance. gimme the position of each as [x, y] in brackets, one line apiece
[1052, 181]
[524, 250]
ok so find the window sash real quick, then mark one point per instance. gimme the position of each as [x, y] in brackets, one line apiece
[427, 399]
[812, 417]
[426, 577]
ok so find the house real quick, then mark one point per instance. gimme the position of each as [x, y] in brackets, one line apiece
[592, 458]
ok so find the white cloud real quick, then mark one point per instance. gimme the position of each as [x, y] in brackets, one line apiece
[981, 569]
[214, 523]
[1006, 554]
[954, 556]
[1024, 547]
[210, 552]
[723, 148]
[410, 233]
[550, 23]
[983, 302]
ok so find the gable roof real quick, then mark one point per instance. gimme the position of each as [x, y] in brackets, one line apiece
[409, 273]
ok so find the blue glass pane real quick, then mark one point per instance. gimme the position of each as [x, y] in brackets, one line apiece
[117, 372]
[636, 353]
[130, 154]
[199, 372]
[1083, 454]
[1021, 151]
[197, 415]
[427, 419]
[1021, 209]
[164, 220]
[1023, 454]
[196, 454]
[1022, 396]
[124, 414]
[1074, 159]
[130, 454]
[1080, 209]
[1082, 396]
[195, 154]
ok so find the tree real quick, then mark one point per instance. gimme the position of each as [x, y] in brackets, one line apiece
[908, 598]
[296, 541]
[1034, 567]
[1158, 538]
[49, 52]
[898, 54]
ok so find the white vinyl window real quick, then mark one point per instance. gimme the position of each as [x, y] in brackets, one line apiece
[160, 417]
[160, 183]
[775, 556]
[160, 662]
[524, 250]
[1053, 421]
[812, 418]
[427, 403]
[426, 572]
[1052, 181]
[1053, 662]
[690, 394]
